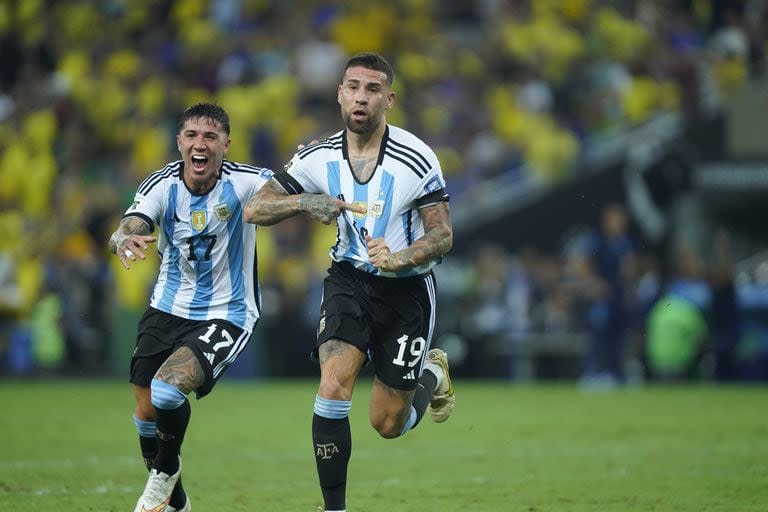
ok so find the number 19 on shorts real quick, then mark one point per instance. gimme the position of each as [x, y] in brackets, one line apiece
[414, 349]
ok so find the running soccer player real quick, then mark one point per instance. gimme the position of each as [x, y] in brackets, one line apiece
[386, 191]
[205, 302]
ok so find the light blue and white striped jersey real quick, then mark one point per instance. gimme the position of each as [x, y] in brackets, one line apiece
[407, 177]
[208, 267]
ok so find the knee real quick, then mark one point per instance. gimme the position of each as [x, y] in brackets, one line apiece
[388, 426]
[334, 387]
[144, 411]
[166, 396]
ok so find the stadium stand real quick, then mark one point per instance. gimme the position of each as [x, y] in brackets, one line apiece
[541, 112]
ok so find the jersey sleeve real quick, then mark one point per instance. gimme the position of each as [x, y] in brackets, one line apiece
[265, 176]
[147, 204]
[254, 177]
[431, 189]
[297, 176]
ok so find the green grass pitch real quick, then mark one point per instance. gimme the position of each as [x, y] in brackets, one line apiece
[71, 445]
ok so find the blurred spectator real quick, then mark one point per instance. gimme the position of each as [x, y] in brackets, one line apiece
[727, 324]
[497, 309]
[606, 266]
[678, 333]
[751, 353]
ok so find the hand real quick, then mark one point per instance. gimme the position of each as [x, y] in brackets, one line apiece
[326, 208]
[311, 143]
[380, 256]
[131, 247]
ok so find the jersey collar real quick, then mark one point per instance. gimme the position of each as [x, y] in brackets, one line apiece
[218, 179]
[382, 147]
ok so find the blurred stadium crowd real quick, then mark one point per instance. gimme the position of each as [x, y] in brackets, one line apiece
[90, 92]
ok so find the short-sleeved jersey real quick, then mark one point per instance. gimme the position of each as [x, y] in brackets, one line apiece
[207, 250]
[407, 177]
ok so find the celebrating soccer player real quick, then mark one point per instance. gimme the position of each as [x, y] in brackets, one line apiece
[385, 188]
[205, 303]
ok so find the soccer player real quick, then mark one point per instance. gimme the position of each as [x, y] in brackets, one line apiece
[385, 189]
[205, 302]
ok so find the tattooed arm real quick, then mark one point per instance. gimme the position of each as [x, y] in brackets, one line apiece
[272, 204]
[131, 240]
[437, 241]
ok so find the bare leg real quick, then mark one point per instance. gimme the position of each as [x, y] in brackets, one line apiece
[390, 409]
[340, 364]
[180, 374]
[145, 417]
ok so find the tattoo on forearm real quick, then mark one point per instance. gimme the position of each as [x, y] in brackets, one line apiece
[129, 226]
[319, 206]
[430, 246]
[271, 205]
[437, 239]
[251, 204]
[135, 226]
[182, 370]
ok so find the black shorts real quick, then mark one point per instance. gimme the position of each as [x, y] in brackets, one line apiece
[216, 343]
[391, 320]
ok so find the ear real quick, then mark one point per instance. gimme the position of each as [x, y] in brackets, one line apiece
[226, 145]
[178, 142]
[390, 100]
[338, 95]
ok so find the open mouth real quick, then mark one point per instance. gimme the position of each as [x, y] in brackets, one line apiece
[359, 114]
[199, 162]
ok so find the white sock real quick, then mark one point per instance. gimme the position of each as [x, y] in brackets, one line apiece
[438, 371]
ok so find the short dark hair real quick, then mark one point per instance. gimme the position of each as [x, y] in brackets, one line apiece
[209, 110]
[371, 61]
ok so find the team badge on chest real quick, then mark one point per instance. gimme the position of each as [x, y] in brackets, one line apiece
[222, 212]
[199, 219]
[376, 208]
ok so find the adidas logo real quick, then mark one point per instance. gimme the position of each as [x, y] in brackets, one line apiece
[409, 376]
[209, 356]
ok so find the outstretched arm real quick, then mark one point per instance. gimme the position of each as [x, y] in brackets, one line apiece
[272, 204]
[437, 241]
[131, 240]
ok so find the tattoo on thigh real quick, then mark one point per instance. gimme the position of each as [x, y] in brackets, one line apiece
[398, 396]
[183, 370]
[405, 395]
[333, 348]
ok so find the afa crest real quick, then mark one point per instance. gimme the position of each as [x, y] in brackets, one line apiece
[199, 219]
[376, 208]
[321, 327]
[222, 212]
